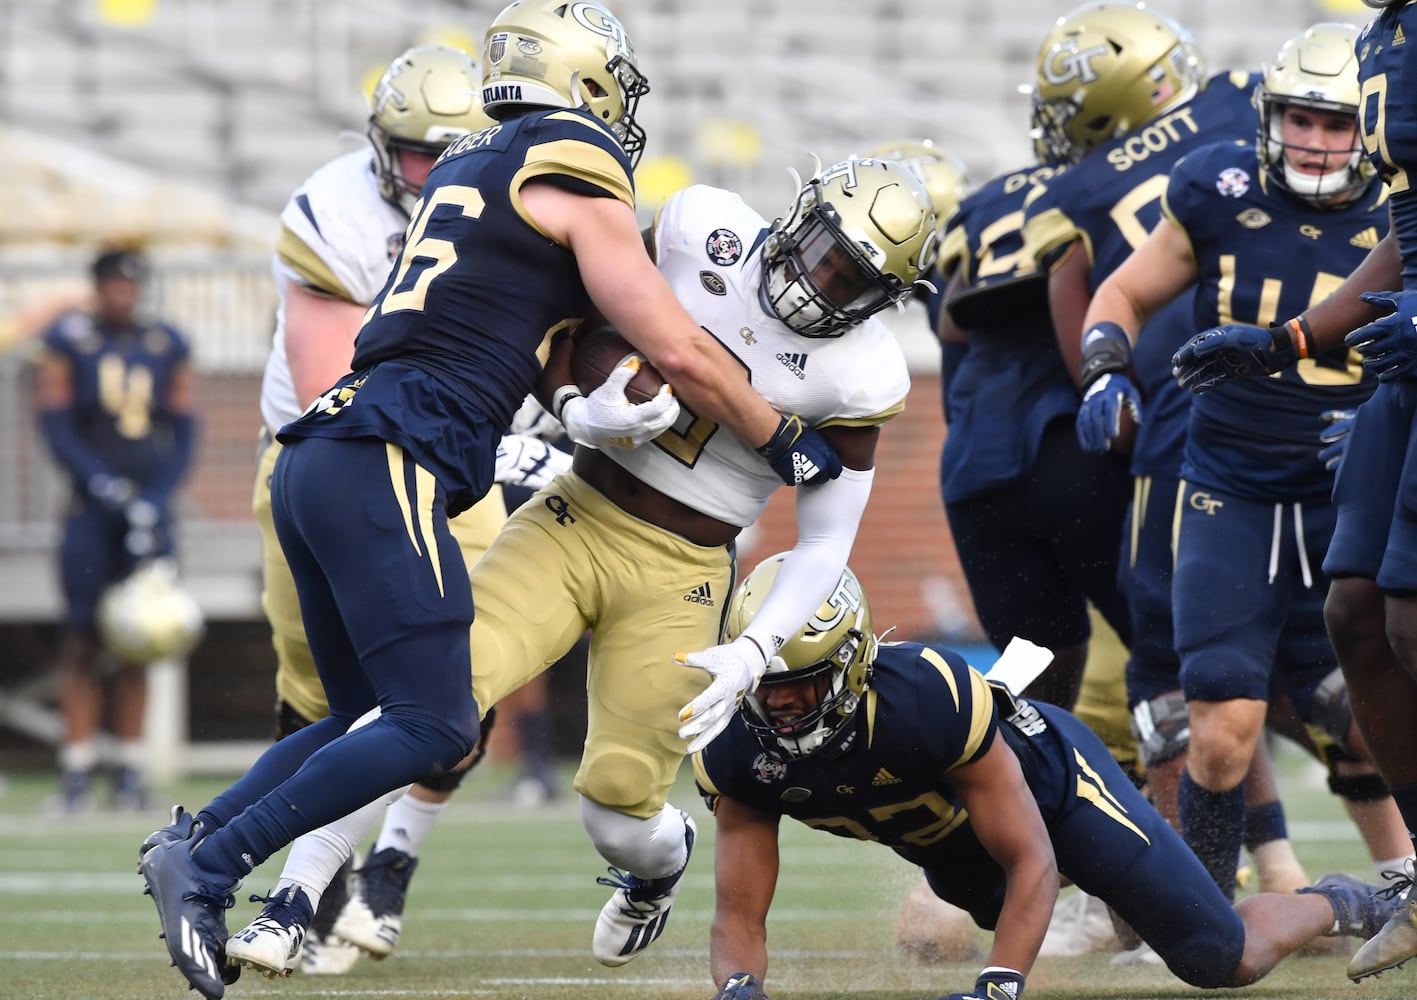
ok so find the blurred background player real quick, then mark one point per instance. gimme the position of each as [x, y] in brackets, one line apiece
[1255, 517]
[114, 393]
[621, 544]
[991, 795]
[340, 233]
[1370, 613]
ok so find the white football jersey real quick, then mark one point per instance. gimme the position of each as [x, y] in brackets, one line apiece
[338, 237]
[708, 244]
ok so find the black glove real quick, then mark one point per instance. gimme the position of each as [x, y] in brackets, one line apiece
[994, 983]
[799, 454]
[741, 986]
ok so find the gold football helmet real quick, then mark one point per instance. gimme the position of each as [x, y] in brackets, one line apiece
[559, 54]
[425, 99]
[835, 648]
[1317, 70]
[149, 616]
[1105, 70]
[943, 174]
[859, 236]
[1380, 4]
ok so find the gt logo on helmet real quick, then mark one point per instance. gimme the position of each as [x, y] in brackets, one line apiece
[1067, 63]
[599, 20]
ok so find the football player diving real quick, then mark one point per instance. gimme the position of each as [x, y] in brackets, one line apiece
[1371, 610]
[519, 228]
[340, 232]
[636, 543]
[1254, 515]
[993, 796]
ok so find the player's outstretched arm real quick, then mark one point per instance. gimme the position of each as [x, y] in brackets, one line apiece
[745, 877]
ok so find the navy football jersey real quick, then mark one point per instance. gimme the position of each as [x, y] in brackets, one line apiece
[1011, 382]
[925, 713]
[1388, 119]
[122, 382]
[1110, 202]
[458, 334]
[1264, 255]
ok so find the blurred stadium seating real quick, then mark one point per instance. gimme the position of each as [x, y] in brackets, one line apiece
[186, 124]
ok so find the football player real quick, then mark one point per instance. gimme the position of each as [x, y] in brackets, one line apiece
[993, 796]
[114, 394]
[340, 233]
[1258, 227]
[518, 229]
[636, 545]
[1370, 612]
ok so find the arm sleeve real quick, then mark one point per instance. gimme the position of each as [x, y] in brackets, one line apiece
[75, 454]
[828, 517]
[166, 476]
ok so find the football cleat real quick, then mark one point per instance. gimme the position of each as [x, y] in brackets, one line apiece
[324, 953]
[1080, 925]
[1359, 909]
[130, 791]
[191, 909]
[271, 944]
[1396, 942]
[636, 914]
[1142, 954]
[181, 828]
[373, 918]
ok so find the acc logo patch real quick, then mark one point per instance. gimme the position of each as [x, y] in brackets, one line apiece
[1232, 182]
[712, 283]
[723, 247]
[796, 794]
[768, 769]
[1253, 218]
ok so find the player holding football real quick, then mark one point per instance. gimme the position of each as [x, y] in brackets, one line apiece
[1371, 610]
[991, 795]
[636, 544]
[520, 227]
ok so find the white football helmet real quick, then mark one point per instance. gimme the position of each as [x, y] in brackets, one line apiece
[1317, 70]
[858, 238]
[836, 647]
[564, 54]
[149, 616]
[425, 99]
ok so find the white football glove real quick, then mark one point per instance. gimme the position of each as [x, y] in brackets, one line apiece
[523, 460]
[736, 669]
[606, 418]
[532, 418]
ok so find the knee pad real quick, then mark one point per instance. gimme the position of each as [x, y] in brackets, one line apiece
[622, 780]
[288, 720]
[1368, 787]
[1331, 712]
[450, 780]
[1162, 727]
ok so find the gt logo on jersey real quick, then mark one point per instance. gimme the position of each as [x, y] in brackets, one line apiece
[1067, 62]
[723, 247]
[1205, 503]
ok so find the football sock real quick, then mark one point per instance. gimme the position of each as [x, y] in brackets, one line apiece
[407, 824]
[1213, 823]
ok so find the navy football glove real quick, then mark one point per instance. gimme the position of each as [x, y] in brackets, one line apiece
[1232, 351]
[799, 454]
[741, 986]
[1389, 344]
[1099, 418]
[1334, 437]
[994, 983]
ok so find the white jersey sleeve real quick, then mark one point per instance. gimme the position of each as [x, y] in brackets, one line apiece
[708, 246]
[338, 237]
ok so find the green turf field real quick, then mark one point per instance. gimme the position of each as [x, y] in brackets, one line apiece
[504, 902]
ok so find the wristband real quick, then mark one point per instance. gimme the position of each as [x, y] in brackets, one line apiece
[999, 983]
[561, 397]
[1106, 349]
[1297, 335]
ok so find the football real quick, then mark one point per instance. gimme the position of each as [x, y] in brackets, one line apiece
[599, 352]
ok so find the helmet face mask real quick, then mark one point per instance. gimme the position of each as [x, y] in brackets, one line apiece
[426, 99]
[860, 235]
[828, 663]
[559, 54]
[1105, 70]
[1315, 72]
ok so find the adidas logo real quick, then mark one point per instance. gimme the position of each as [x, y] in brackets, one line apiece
[1399, 38]
[1365, 240]
[194, 948]
[700, 595]
[795, 363]
[803, 468]
[884, 777]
